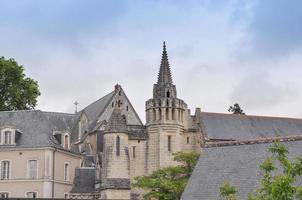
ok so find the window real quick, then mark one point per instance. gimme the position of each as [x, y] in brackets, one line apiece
[127, 108]
[112, 104]
[31, 195]
[66, 141]
[169, 143]
[168, 94]
[133, 152]
[5, 170]
[7, 137]
[32, 169]
[188, 140]
[66, 172]
[118, 145]
[3, 195]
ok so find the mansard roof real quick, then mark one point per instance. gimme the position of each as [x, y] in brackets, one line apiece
[37, 127]
[236, 164]
[218, 126]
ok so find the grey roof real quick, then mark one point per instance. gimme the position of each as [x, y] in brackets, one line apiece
[239, 165]
[94, 109]
[84, 180]
[37, 127]
[115, 183]
[117, 121]
[244, 127]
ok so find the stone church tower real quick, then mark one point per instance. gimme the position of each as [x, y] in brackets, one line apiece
[165, 119]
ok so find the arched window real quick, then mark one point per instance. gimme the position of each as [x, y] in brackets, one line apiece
[168, 94]
[118, 145]
[7, 137]
[66, 141]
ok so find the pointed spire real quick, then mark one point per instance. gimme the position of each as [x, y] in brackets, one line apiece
[164, 75]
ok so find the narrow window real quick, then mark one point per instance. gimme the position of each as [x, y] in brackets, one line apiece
[138, 141]
[173, 114]
[118, 145]
[169, 143]
[112, 104]
[66, 142]
[159, 113]
[154, 115]
[3, 195]
[133, 152]
[168, 94]
[7, 137]
[5, 169]
[31, 195]
[127, 108]
[32, 169]
[167, 114]
[188, 140]
[66, 172]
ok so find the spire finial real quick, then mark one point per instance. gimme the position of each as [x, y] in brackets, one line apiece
[164, 75]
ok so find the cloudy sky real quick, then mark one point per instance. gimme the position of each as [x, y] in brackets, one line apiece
[220, 51]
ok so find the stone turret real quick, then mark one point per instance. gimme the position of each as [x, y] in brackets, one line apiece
[165, 116]
[116, 177]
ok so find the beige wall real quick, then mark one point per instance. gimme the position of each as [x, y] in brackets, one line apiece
[19, 183]
[116, 166]
[137, 163]
[116, 194]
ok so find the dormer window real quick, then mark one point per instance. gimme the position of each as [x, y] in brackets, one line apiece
[66, 141]
[7, 137]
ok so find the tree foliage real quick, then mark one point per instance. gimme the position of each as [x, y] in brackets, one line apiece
[235, 109]
[17, 92]
[168, 183]
[281, 178]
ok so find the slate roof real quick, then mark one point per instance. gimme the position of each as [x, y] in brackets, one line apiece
[239, 165]
[115, 183]
[244, 127]
[37, 127]
[94, 109]
[84, 180]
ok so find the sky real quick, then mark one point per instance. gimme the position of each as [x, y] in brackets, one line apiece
[221, 52]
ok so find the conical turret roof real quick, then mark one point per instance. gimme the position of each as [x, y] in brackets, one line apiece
[164, 75]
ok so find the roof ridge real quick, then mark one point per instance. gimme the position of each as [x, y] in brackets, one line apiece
[258, 116]
[254, 141]
[19, 111]
[60, 113]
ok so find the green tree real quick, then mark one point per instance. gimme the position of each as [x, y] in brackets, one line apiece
[280, 181]
[168, 183]
[17, 92]
[235, 109]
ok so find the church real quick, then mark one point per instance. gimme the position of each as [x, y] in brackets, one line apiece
[97, 152]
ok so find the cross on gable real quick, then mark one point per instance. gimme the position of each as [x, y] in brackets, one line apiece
[119, 103]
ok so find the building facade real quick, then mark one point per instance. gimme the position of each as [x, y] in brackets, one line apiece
[98, 151]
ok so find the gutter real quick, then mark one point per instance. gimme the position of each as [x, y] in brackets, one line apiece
[53, 173]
